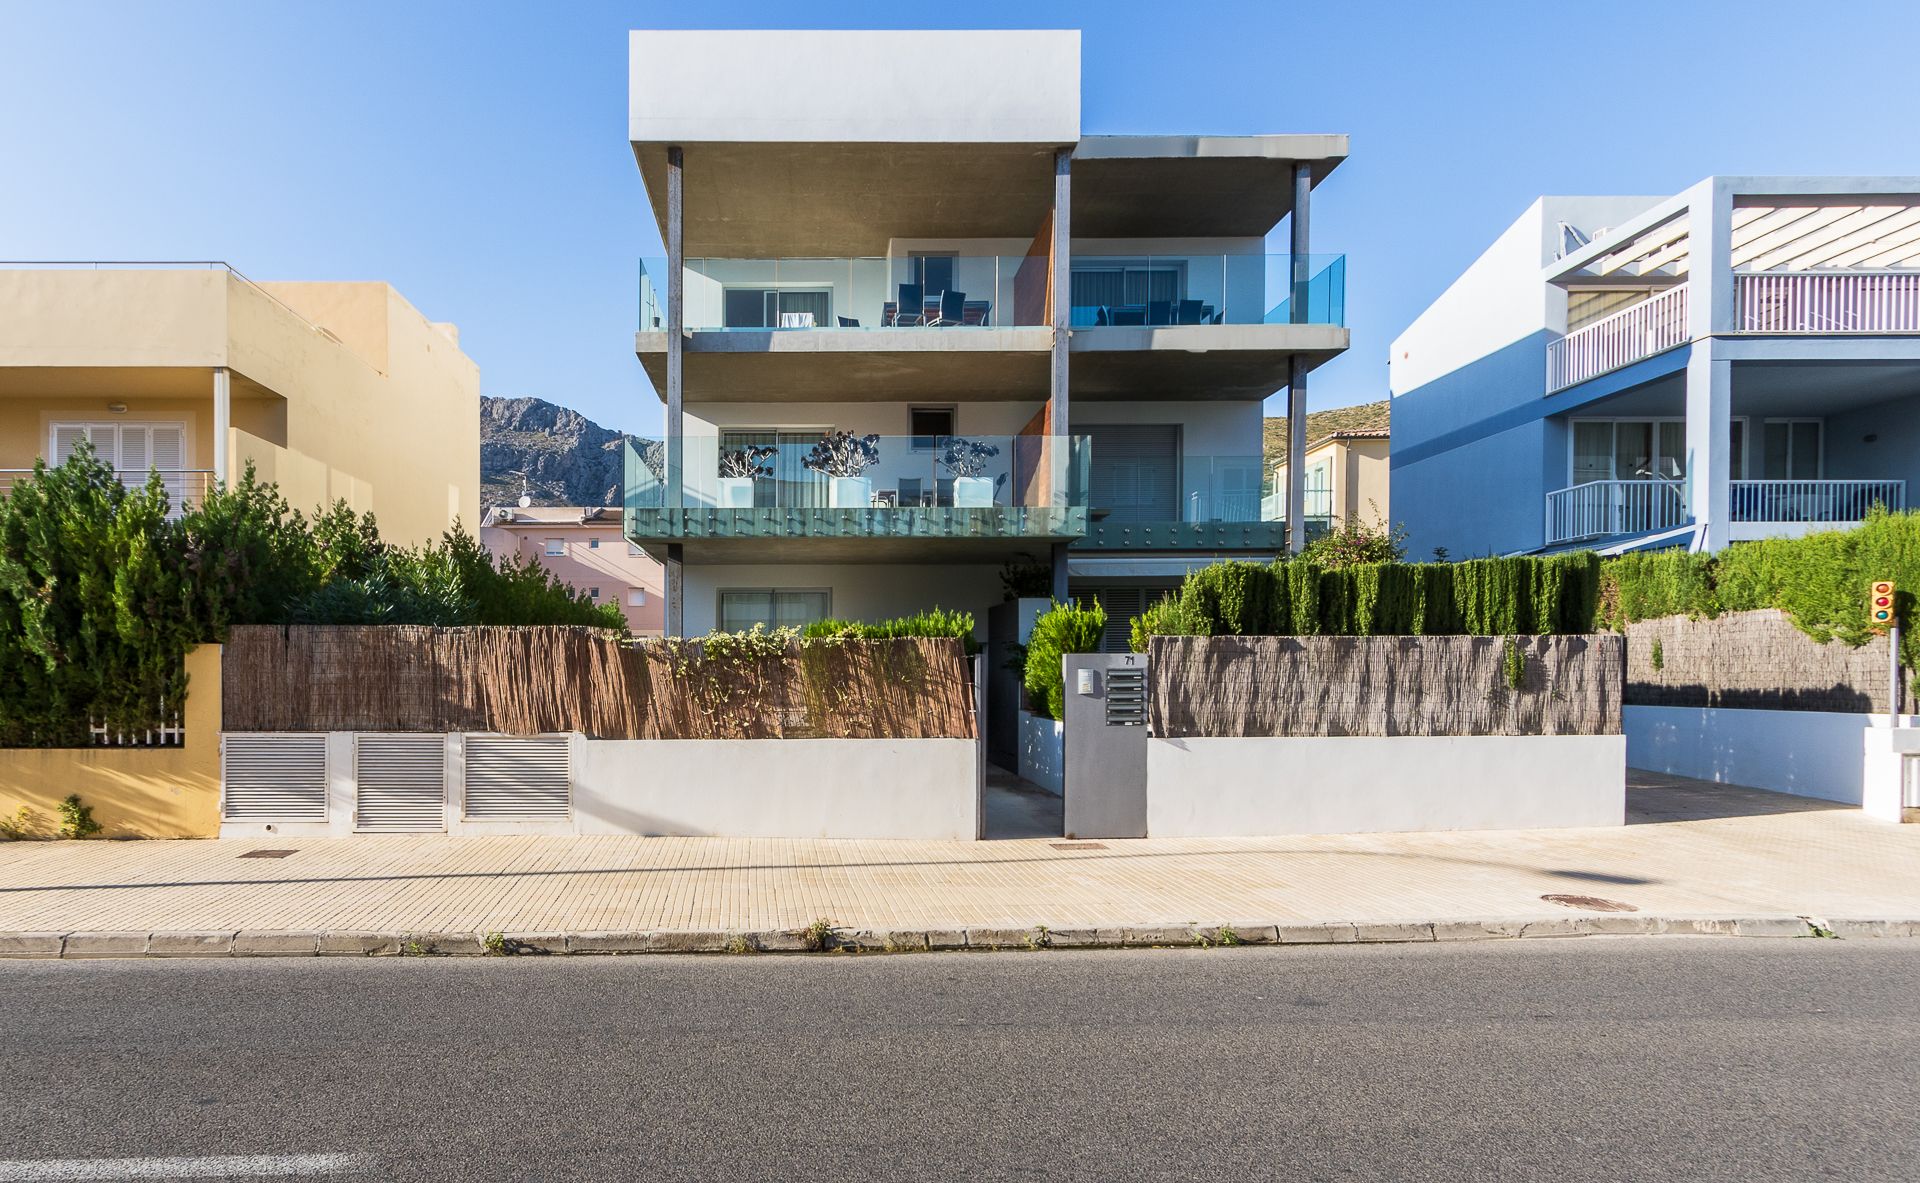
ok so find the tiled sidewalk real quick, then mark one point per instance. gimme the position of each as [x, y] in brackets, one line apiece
[1697, 851]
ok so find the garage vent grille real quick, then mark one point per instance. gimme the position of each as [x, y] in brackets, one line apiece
[273, 778]
[510, 776]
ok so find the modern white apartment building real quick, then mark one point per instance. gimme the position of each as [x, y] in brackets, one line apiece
[1048, 347]
[1739, 360]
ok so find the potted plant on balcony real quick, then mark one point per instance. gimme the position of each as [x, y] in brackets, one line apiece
[967, 460]
[842, 456]
[739, 468]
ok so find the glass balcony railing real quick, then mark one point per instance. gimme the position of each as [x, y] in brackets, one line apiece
[1198, 289]
[764, 484]
[989, 291]
[920, 291]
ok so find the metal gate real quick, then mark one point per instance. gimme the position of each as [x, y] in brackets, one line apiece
[400, 784]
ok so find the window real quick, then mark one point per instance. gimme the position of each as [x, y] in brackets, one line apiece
[1629, 450]
[934, 272]
[1136, 471]
[593, 593]
[793, 485]
[928, 424]
[1790, 450]
[131, 448]
[743, 608]
[636, 597]
[761, 308]
[593, 544]
[556, 547]
[1316, 502]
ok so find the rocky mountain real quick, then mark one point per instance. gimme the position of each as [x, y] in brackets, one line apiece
[567, 458]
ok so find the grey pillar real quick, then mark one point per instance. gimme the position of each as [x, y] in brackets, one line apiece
[1302, 268]
[1062, 282]
[1059, 559]
[676, 620]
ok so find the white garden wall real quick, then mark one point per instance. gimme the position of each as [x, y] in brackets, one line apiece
[1043, 752]
[1823, 754]
[1255, 786]
[777, 788]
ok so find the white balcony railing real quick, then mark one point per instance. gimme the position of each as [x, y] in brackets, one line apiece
[1828, 302]
[1599, 509]
[1813, 501]
[1649, 327]
[184, 485]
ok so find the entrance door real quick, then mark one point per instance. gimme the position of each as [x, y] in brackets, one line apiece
[1136, 471]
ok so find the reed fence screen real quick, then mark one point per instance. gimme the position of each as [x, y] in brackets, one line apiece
[1752, 660]
[528, 681]
[1384, 686]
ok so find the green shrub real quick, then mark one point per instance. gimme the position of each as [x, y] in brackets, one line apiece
[1652, 584]
[1302, 616]
[1234, 599]
[1356, 543]
[933, 622]
[1062, 629]
[1166, 617]
[76, 820]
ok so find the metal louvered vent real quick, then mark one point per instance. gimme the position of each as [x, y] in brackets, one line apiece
[511, 776]
[1126, 697]
[401, 783]
[273, 778]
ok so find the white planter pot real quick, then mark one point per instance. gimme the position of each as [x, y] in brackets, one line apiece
[973, 491]
[736, 492]
[850, 492]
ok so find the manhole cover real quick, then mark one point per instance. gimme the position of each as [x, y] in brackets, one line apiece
[1589, 903]
[1078, 845]
[268, 853]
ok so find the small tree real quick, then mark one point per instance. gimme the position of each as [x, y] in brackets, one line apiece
[748, 461]
[843, 454]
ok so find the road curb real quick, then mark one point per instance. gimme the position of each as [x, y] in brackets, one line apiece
[307, 943]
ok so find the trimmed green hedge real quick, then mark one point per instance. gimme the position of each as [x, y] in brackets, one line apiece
[1062, 629]
[1484, 597]
[934, 622]
[1820, 581]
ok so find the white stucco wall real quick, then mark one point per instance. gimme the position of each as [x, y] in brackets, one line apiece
[1811, 753]
[886, 86]
[1361, 784]
[777, 788]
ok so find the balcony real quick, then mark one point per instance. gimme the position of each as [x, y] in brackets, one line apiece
[969, 327]
[1652, 326]
[1757, 509]
[1828, 302]
[1210, 503]
[767, 497]
[184, 486]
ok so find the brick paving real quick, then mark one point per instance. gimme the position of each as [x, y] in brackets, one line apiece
[1696, 850]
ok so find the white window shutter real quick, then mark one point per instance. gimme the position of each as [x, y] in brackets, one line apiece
[134, 453]
[169, 447]
[67, 438]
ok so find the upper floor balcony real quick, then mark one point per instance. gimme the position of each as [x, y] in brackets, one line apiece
[967, 327]
[772, 496]
[1183, 502]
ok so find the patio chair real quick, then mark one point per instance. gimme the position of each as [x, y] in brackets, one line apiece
[978, 312]
[847, 322]
[1189, 312]
[1130, 314]
[911, 309]
[952, 309]
[1159, 312]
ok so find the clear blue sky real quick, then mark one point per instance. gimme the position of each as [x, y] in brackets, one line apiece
[475, 154]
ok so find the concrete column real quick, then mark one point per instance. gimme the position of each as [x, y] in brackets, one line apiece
[1709, 444]
[1062, 277]
[676, 327]
[675, 624]
[1300, 247]
[1059, 559]
[222, 420]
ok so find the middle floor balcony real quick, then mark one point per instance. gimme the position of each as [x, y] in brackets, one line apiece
[834, 497]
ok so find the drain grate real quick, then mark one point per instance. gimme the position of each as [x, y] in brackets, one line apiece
[1589, 903]
[1078, 845]
[268, 853]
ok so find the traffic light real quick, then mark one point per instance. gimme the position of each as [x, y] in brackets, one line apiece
[1880, 603]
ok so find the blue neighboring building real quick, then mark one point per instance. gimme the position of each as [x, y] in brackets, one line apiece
[1740, 360]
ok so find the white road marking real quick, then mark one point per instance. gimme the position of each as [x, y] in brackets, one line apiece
[223, 1166]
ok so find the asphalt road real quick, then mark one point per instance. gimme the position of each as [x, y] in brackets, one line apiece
[1628, 1059]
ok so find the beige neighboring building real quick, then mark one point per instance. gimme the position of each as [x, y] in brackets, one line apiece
[333, 390]
[586, 548]
[1346, 481]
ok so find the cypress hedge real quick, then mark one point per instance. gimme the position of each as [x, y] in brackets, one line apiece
[1488, 597]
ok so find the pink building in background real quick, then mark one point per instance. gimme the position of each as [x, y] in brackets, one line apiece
[583, 547]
